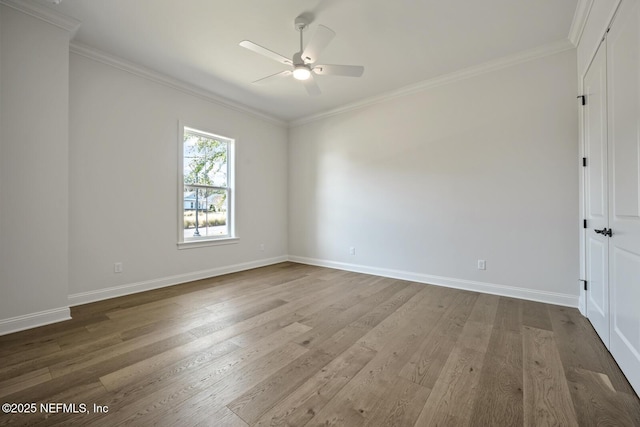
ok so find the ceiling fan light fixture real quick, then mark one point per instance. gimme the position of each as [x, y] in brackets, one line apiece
[301, 72]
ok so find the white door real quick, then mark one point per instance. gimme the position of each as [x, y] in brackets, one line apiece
[596, 203]
[623, 49]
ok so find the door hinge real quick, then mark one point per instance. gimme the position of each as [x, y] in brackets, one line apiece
[584, 162]
[584, 282]
[584, 223]
[583, 99]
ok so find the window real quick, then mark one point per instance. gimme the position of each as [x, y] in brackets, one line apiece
[205, 188]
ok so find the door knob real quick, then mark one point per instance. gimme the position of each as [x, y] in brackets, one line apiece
[605, 231]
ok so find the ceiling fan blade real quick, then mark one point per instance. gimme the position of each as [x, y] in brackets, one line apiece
[339, 70]
[265, 52]
[320, 40]
[311, 86]
[273, 77]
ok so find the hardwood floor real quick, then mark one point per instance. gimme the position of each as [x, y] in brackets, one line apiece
[298, 345]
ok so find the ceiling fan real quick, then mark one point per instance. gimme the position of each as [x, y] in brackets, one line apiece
[303, 62]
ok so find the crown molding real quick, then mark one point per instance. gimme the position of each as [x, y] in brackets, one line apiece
[165, 80]
[579, 21]
[505, 62]
[45, 14]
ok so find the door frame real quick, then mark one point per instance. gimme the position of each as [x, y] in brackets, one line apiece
[595, 143]
[582, 297]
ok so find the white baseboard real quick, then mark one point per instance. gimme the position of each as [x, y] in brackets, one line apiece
[42, 318]
[33, 320]
[469, 285]
[582, 304]
[147, 285]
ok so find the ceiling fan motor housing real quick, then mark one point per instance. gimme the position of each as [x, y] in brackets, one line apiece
[297, 59]
[301, 71]
[301, 23]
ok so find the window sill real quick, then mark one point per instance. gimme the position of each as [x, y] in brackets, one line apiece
[208, 242]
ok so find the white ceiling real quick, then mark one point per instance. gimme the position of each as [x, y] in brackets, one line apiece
[399, 42]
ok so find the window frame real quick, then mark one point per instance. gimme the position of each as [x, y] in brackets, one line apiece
[231, 236]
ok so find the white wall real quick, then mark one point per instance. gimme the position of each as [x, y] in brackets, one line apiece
[425, 185]
[422, 186]
[33, 171]
[1, 139]
[123, 184]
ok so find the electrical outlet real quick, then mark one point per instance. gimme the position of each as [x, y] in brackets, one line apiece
[352, 250]
[482, 264]
[117, 267]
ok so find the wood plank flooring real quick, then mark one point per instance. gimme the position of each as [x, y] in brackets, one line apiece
[295, 345]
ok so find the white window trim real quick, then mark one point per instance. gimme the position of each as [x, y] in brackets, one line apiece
[204, 241]
[192, 244]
